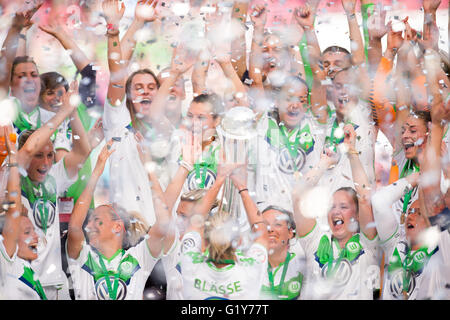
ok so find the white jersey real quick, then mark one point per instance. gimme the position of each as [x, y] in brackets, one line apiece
[427, 282]
[172, 270]
[202, 280]
[351, 278]
[16, 277]
[62, 138]
[341, 175]
[284, 282]
[275, 167]
[128, 272]
[129, 184]
[48, 265]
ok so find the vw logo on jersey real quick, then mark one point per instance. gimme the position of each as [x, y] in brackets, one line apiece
[194, 182]
[340, 275]
[396, 284]
[294, 287]
[286, 162]
[39, 207]
[101, 289]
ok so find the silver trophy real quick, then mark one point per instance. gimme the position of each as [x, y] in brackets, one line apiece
[236, 131]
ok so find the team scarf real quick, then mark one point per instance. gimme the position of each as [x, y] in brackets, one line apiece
[278, 136]
[23, 121]
[45, 191]
[127, 267]
[29, 279]
[324, 255]
[412, 263]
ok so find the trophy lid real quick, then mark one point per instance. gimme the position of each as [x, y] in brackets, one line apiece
[238, 123]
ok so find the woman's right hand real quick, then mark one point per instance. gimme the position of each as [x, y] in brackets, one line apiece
[258, 15]
[103, 156]
[71, 99]
[112, 12]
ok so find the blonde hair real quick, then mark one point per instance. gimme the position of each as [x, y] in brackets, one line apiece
[221, 232]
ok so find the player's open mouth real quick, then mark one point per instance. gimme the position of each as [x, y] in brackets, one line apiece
[33, 247]
[42, 171]
[343, 100]
[337, 222]
[407, 146]
[172, 97]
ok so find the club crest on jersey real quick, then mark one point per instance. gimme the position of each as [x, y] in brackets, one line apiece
[194, 182]
[294, 286]
[38, 207]
[101, 289]
[396, 284]
[340, 274]
[287, 164]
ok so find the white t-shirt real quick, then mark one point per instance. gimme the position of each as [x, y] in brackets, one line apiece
[275, 176]
[352, 280]
[202, 280]
[132, 266]
[129, 185]
[48, 265]
[341, 175]
[14, 282]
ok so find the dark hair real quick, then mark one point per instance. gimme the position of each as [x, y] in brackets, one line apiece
[336, 49]
[425, 116]
[21, 59]
[23, 137]
[290, 222]
[129, 102]
[214, 100]
[51, 81]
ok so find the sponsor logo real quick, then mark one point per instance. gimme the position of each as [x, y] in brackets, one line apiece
[38, 208]
[288, 165]
[340, 274]
[101, 289]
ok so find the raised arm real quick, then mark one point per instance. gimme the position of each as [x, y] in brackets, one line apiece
[440, 115]
[382, 200]
[75, 235]
[162, 234]
[254, 216]
[362, 185]
[191, 150]
[56, 30]
[430, 28]
[21, 20]
[256, 61]
[356, 41]
[12, 223]
[41, 136]
[145, 11]
[116, 88]
[376, 29]
[305, 19]
[238, 45]
[81, 147]
[304, 224]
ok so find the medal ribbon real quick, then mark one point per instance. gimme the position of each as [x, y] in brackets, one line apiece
[283, 275]
[111, 290]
